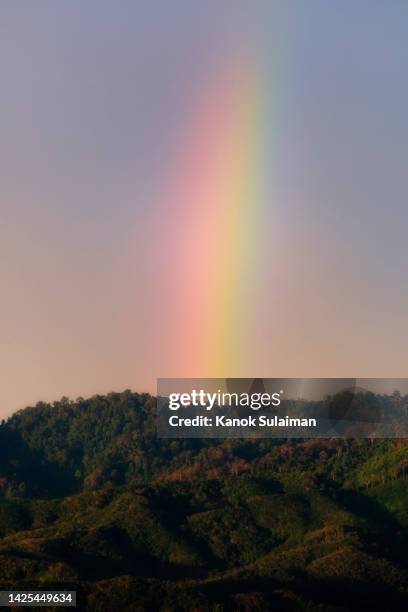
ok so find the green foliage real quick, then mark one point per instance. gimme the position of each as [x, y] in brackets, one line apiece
[92, 499]
[14, 516]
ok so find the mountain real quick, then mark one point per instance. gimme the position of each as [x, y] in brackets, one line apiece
[91, 499]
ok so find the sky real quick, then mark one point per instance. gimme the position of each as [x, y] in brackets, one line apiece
[200, 189]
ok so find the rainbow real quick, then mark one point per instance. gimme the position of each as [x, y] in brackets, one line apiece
[215, 217]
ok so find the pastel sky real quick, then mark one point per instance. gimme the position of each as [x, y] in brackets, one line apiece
[200, 189]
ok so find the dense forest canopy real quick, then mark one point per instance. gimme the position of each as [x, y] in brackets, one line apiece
[91, 497]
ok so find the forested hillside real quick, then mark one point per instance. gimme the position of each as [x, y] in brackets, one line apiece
[92, 499]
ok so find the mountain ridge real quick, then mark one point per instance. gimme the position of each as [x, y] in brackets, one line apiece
[91, 498]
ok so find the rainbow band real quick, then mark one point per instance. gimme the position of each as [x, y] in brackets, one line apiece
[218, 218]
